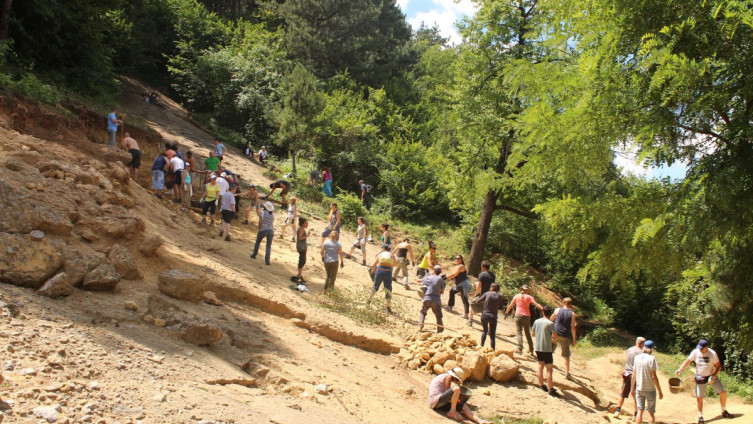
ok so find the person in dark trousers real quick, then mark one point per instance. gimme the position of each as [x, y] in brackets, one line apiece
[366, 197]
[331, 251]
[485, 280]
[382, 270]
[564, 326]
[266, 229]
[301, 246]
[432, 298]
[284, 186]
[462, 286]
[492, 302]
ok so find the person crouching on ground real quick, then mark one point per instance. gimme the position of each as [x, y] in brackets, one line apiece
[645, 385]
[543, 331]
[432, 298]
[444, 395]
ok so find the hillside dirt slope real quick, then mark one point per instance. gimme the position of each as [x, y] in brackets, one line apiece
[118, 355]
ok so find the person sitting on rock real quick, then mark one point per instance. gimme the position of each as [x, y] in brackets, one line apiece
[445, 395]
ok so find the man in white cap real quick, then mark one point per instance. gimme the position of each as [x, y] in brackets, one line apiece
[645, 385]
[707, 369]
[266, 229]
[445, 395]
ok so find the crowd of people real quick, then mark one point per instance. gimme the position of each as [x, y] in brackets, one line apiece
[221, 192]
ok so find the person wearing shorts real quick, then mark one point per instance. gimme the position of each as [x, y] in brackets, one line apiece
[360, 243]
[627, 374]
[158, 174]
[707, 369]
[227, 211]
[564, 326]
[382, 271]
[177, 165]
[131, 146]
[543, 331]
[290, 219]
[645, 385]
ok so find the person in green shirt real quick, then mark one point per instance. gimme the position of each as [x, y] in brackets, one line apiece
[212, 161]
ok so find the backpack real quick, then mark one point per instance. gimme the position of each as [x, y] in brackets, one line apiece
[369, 188]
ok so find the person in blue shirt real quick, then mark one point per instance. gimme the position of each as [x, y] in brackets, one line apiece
[158, 174]
[112, 126]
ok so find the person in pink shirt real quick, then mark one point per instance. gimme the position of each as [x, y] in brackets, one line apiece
[522, 302]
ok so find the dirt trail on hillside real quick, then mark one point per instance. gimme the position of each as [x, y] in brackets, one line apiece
[145, 373]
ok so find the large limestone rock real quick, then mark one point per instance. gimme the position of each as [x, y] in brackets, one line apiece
[181, 285]
[503, 369]
[78, 264]
[202, 334]
[57, 286]
[150, 245]
[22, 213]
[442, 357]
[102, 278]
[123, 262]
[114, 227]
[477, 364]
[26, 262]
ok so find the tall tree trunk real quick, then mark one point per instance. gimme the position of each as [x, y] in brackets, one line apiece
[292, 154]
[4, 17]
[482, 232]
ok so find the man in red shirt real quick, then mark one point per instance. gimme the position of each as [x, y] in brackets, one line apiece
[522, 301]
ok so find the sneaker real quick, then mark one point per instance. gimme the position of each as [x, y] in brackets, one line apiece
[568, 376]
[227, 237]
[726, 414]
[292, 238]
[469, 323]
[252, 256]
[700, 420]
[447, 308]
[221, 233]
[266, 263]
[617, 412]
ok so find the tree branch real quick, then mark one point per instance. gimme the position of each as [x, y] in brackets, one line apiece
[706, 132]
[516, 211]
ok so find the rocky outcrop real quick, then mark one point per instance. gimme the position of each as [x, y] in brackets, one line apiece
[181, 285]
[102, 278]
[124, 227]
[78, 264]
[202, 334]
[57, 286]
[123, 262]
[503, 369]
[27, 262]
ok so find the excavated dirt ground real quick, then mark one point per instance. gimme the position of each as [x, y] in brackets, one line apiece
[86, 358]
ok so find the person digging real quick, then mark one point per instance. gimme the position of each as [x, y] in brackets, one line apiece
[445, 394]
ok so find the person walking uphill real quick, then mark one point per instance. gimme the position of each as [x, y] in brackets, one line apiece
[627, 374]
[360, 243]
[382, 270]
[492, 302]
[335, 222]
[543, 330]
[404, 254]
[462, 286]
[707, 369]
[484, 283]
[332, 250]
[227, 210]
[429, 261]
[266, 229]
[301, 246]
[445, 395]
[209, 200]
[645, 385]
[522, 301]
[565, 325]
[432, 298]
[112, 126]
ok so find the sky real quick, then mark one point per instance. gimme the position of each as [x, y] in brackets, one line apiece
[443, 13]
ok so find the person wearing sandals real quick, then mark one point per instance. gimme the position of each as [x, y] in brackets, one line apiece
[543, 331]
[462, 286]
[445, 395]
[301, 246]
[360, 243]
[290, 219]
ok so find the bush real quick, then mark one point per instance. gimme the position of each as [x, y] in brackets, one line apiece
[29, 85]
[350, 209]
[601, 336]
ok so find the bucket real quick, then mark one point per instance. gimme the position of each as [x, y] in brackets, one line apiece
[465, 394]
[477, 308]
[675, 385]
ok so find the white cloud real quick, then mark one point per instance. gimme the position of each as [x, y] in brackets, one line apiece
[403, 4]
[627, 161]
[444, 13]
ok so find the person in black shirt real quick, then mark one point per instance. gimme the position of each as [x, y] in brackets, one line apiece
[485, 280]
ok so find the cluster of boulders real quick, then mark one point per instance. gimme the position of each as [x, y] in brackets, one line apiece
[437, 352]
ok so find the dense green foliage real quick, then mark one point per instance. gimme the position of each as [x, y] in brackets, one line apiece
[510, 136]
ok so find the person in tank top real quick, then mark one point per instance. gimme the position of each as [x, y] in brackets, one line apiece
[564, 326]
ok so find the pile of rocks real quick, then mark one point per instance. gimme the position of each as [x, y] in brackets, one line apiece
[439, 352]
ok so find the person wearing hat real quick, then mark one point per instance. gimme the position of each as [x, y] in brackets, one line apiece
[209, 199]
[432, 299]
[645, 385]
[627, 374]
[266, 229]
[522, 302]
[445, 395]
[429, 261]
[707, 369]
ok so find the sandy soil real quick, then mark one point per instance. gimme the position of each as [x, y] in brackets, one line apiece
[116, 367]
